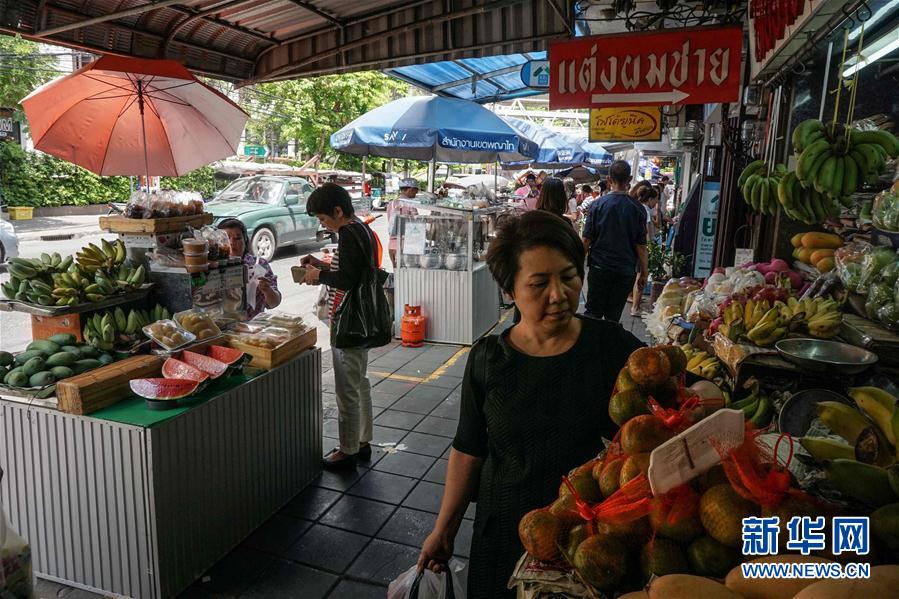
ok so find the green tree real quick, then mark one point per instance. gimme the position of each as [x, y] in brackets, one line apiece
[310, 110]
[22, 69]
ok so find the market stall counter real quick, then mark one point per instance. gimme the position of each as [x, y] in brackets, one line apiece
[139, 503]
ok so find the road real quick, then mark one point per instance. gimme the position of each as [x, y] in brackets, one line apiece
[15, 328]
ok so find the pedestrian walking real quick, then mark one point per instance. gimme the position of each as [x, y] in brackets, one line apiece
[648, 198]
[357, 248]
[615, 237]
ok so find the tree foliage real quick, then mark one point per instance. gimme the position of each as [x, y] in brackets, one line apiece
[22, 69]
[310, 110]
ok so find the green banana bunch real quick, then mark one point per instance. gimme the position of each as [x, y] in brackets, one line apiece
[160, 313]
[105, 330]
[760, 189]
[805, 204]
[47, 264]
[835, 162]
[92, 258]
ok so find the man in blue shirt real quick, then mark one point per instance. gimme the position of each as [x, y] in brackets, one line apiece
[615, 239]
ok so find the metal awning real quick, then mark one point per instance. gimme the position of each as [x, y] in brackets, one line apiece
[265, 40]
[489, 79]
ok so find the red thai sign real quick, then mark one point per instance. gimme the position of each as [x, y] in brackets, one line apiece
[684, 66]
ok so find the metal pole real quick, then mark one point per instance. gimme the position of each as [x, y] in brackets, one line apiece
[495, 176]
[826, 77]
[143, 129]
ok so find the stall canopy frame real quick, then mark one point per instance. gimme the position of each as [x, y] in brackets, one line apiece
[251, 41]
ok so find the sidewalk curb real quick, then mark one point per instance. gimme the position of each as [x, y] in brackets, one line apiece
[39, 236]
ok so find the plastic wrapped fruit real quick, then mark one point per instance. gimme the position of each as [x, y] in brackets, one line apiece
[168, 334]
[885, 213]
[889, 314]
[198, 322]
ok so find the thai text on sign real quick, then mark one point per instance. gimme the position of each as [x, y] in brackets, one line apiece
[626, 123]
[686, 66]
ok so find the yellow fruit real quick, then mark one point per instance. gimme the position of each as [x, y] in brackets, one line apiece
[776, 588]
[609, 477]
[722, 511]
[821, 240]
[845, 589]
[796, 240]
[643, 433]
[825, 264]
[805, 255]
[819, 255]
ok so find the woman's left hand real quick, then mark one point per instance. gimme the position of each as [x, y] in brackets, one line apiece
[312, 274]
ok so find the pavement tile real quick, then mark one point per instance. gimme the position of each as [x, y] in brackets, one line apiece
[357, 514]
[382, 400]
[418, 405]
[405, 463]
[329, 428]
[386, 434]
[425, 496]
[328, 548]
[352, 589]
[426, 444]
[448, 408]
[382, 561]
[437, 472]
[446, 381]
[286, 579]
[408, 526]
[338, 480]
[425, 391]
[435, 425]
[236, 571]
[277, 534]
[393, 387]
[311, 503]
[399, 419]
[383, 486]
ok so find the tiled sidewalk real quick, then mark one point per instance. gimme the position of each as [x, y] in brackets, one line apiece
[349, 534]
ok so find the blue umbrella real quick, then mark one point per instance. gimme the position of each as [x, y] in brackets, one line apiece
[596, 154]
[434, 128]
[555, 150]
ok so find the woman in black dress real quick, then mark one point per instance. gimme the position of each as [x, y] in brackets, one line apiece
[534, 400]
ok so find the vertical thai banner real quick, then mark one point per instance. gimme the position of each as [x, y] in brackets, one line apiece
[708, 224]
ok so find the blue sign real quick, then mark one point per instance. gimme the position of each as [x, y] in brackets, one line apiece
[535, 73]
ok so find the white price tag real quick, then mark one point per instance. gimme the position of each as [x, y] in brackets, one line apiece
[414, 238]
[689, 454]
[742, 256]
[139, 241]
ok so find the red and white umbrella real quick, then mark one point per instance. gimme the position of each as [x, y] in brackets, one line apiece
[127, 116]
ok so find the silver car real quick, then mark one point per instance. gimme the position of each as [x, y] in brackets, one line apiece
[9, 243]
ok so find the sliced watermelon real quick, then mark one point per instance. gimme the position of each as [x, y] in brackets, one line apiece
[163, 389]
[228, 355]
[176, 369]
[210, 366]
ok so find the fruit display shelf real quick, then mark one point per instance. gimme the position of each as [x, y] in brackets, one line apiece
[122, 224]
[9, 305]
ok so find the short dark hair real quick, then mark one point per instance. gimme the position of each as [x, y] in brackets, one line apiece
[586, 189]
[328, 197]
[665, 178]
[553, 197]
[603, 185]
[530, 176]
[536, 228]
[620, 172]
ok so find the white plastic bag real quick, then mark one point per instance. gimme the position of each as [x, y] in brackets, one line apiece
[431, 585]
[16, 580]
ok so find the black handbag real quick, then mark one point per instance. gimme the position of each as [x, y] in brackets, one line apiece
[363, 317]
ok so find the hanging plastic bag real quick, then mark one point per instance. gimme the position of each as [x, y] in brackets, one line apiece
[16, 579]
[426, 584]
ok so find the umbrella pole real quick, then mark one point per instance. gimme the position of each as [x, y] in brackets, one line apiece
[143, 129]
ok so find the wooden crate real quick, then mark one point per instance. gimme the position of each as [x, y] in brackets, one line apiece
[104, 386]
[272, 358]
[47, 326]
[121, 224]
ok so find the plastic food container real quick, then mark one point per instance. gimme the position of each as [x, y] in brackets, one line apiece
[168, 334]
[246, 327]
[279, 334]
[199, 322]
[194, 246]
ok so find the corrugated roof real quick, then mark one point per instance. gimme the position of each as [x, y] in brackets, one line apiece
[488, 79]
[265, 40]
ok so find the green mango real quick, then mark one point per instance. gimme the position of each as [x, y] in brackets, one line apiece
[17, 379]
[63, 339]
[106, 359]
[62, 358]
[41, 379]
[88, 351]
[61, 372]
[10, 374]
[72, 349]
[23, 357]
[33, 366]
[44, 346]
[6, 358]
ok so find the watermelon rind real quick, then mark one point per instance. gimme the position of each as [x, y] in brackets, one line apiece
[173, 368]
[211, 366]
[162, 388]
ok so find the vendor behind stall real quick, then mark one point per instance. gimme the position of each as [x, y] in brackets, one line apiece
[262, 284]
[408, 191]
